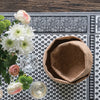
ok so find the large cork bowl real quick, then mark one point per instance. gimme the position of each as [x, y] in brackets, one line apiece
[67, 60]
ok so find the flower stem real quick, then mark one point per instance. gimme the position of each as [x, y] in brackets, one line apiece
[12, 79]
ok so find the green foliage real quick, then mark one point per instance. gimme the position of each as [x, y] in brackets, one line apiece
[7, 22]
[15, 21]
[26, 86]
[0, 82]
[7, 78]
[21, 73]
[26, 81]
[6, 60]
[4, 24]
[22, 79]
[2, 17]
[11, 59]
[29, 79]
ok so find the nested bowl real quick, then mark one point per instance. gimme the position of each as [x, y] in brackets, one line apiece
[67, 60]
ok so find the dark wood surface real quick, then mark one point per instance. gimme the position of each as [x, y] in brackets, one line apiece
[49, 5]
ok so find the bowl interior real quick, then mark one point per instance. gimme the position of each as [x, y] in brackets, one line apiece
[67, 60]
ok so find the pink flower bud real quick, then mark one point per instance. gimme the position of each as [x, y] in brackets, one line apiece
[22, 16]
[14, 88]
[14, 70]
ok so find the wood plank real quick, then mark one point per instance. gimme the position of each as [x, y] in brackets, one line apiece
[49, 5]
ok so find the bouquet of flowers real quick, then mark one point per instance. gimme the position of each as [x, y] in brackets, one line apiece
[15, 39]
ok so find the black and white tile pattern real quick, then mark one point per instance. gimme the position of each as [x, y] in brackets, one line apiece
[92, 24]
[60, 24]
[97, 24]
[97, 67]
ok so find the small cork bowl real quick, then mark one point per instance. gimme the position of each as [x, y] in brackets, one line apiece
[67, 60]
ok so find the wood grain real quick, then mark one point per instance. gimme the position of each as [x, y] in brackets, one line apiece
[49, 5]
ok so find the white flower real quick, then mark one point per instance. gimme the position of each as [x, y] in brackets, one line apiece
[17, 32]
[8, 44]
[14, 88]
[29, 31]
[25, 46]
[22, 16]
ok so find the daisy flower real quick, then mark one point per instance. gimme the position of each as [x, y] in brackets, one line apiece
[17, 32]
[8, 44]
[25, 46]
[29, 31]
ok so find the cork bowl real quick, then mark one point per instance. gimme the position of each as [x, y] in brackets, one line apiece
[67, 60]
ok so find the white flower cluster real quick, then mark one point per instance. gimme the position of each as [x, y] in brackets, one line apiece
[19, 39]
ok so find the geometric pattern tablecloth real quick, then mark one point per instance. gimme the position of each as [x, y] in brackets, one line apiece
[50, 26]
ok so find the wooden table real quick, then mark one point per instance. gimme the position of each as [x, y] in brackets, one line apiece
[49, 5]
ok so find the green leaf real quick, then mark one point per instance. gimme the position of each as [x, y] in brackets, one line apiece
[26, 81]
[0, 81]
[21, 73]
[26, 86]
[6, 64]
[7, 22]
[6, 60]
[22, 79]
[5, 35]
[29, 79]
[16, 80]
[15, 21]
[1, 31]
[3, 72]
[7, 78]
[11, 60]
[2, 17]
[2, 26]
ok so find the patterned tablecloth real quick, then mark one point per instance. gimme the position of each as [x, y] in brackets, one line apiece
[50, 26]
